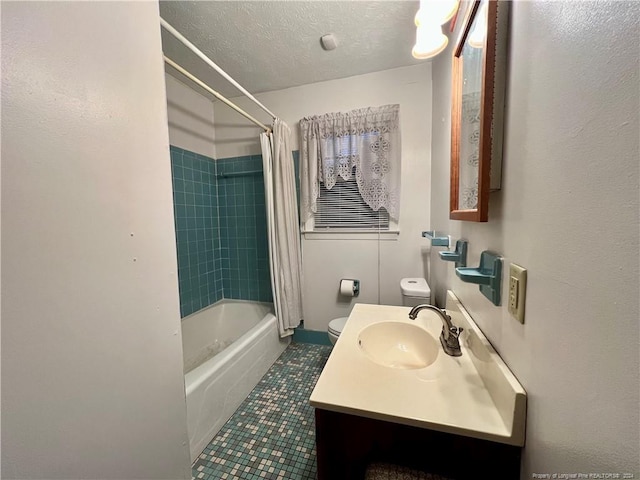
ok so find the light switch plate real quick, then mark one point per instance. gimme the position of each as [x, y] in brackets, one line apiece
[517, 289]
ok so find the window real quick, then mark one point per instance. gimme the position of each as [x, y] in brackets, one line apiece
[350, 170]
[342, 206]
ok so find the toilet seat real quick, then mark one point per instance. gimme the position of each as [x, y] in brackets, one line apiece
[337, 325]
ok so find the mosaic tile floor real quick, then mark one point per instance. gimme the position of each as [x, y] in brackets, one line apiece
[272, 435]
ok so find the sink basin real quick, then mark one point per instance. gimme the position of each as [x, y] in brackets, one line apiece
[368, 375]
[398, 345]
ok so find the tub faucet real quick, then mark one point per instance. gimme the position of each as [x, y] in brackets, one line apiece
[449, 338]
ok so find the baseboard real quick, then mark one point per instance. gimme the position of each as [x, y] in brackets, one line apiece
[301, 335]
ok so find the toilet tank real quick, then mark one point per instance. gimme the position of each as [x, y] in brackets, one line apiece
[415, 291]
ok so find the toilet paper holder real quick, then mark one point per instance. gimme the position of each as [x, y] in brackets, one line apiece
[355, 288]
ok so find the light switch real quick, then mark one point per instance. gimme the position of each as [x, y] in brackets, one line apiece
[517, 288]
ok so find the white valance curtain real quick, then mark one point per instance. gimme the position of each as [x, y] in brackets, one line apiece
[285, 255]
[365, 142]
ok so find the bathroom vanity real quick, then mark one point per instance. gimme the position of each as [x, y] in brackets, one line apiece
[389, 393]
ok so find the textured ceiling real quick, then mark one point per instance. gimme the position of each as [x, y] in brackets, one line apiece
[270, 45]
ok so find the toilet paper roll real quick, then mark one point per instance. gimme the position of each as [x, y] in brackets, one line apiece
[347, 288]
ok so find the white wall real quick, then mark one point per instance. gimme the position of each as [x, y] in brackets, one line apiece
[326, 261]
[190, 118]
[92, 382]
[568, 212]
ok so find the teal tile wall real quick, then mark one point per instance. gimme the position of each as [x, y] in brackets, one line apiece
[243, 229]
[195, 199]
[221, 229]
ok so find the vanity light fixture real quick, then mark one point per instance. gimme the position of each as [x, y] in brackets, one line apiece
[440, 11]
[430, 40]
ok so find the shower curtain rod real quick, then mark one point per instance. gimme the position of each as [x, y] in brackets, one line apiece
[213, 65]
[215, 94]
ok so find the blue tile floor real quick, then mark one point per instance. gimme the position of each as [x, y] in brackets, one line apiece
[272, 435]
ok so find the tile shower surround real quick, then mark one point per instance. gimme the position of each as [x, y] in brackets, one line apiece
[195, 201]
[244, 247]
[221, 229]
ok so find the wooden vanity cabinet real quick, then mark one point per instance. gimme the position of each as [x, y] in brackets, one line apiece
[346, 444]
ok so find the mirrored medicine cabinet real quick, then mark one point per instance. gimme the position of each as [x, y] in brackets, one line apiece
[477, 102]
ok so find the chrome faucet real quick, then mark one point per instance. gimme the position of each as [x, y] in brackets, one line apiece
[449, 338]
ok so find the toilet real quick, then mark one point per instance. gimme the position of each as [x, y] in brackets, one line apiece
[335, 329]
[415, 291]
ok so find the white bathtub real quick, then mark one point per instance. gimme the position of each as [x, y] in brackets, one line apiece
[228, 347]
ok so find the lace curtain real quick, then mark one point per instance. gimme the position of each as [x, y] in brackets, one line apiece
[364, 143]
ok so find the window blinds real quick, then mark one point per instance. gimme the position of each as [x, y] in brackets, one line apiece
[342, 207]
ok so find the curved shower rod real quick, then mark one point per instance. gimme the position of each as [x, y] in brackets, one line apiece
[215, 93]
[213, 65]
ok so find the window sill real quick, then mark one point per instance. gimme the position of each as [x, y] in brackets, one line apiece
[387, 235]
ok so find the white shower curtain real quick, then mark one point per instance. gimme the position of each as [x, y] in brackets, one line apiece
[283, 226]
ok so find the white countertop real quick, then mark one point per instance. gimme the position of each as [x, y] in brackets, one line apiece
[450, 395]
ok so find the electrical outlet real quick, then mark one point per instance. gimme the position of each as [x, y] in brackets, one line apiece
[517, 288]
[513, 295]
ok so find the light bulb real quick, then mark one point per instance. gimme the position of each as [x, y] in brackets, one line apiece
[436, 11]
[430, 41]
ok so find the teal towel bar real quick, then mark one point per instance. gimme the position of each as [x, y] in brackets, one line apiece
[435, 240]
[488, 275]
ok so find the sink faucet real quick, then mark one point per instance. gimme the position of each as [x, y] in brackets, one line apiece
[449, 338]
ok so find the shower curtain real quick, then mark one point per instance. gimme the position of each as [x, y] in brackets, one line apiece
[285, 255]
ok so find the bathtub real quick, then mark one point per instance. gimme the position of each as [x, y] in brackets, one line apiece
[227, 347]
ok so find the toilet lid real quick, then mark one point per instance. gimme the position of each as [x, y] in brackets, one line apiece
[337, 325]
[415, 287]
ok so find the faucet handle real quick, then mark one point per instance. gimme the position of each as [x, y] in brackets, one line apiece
[456, 331]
